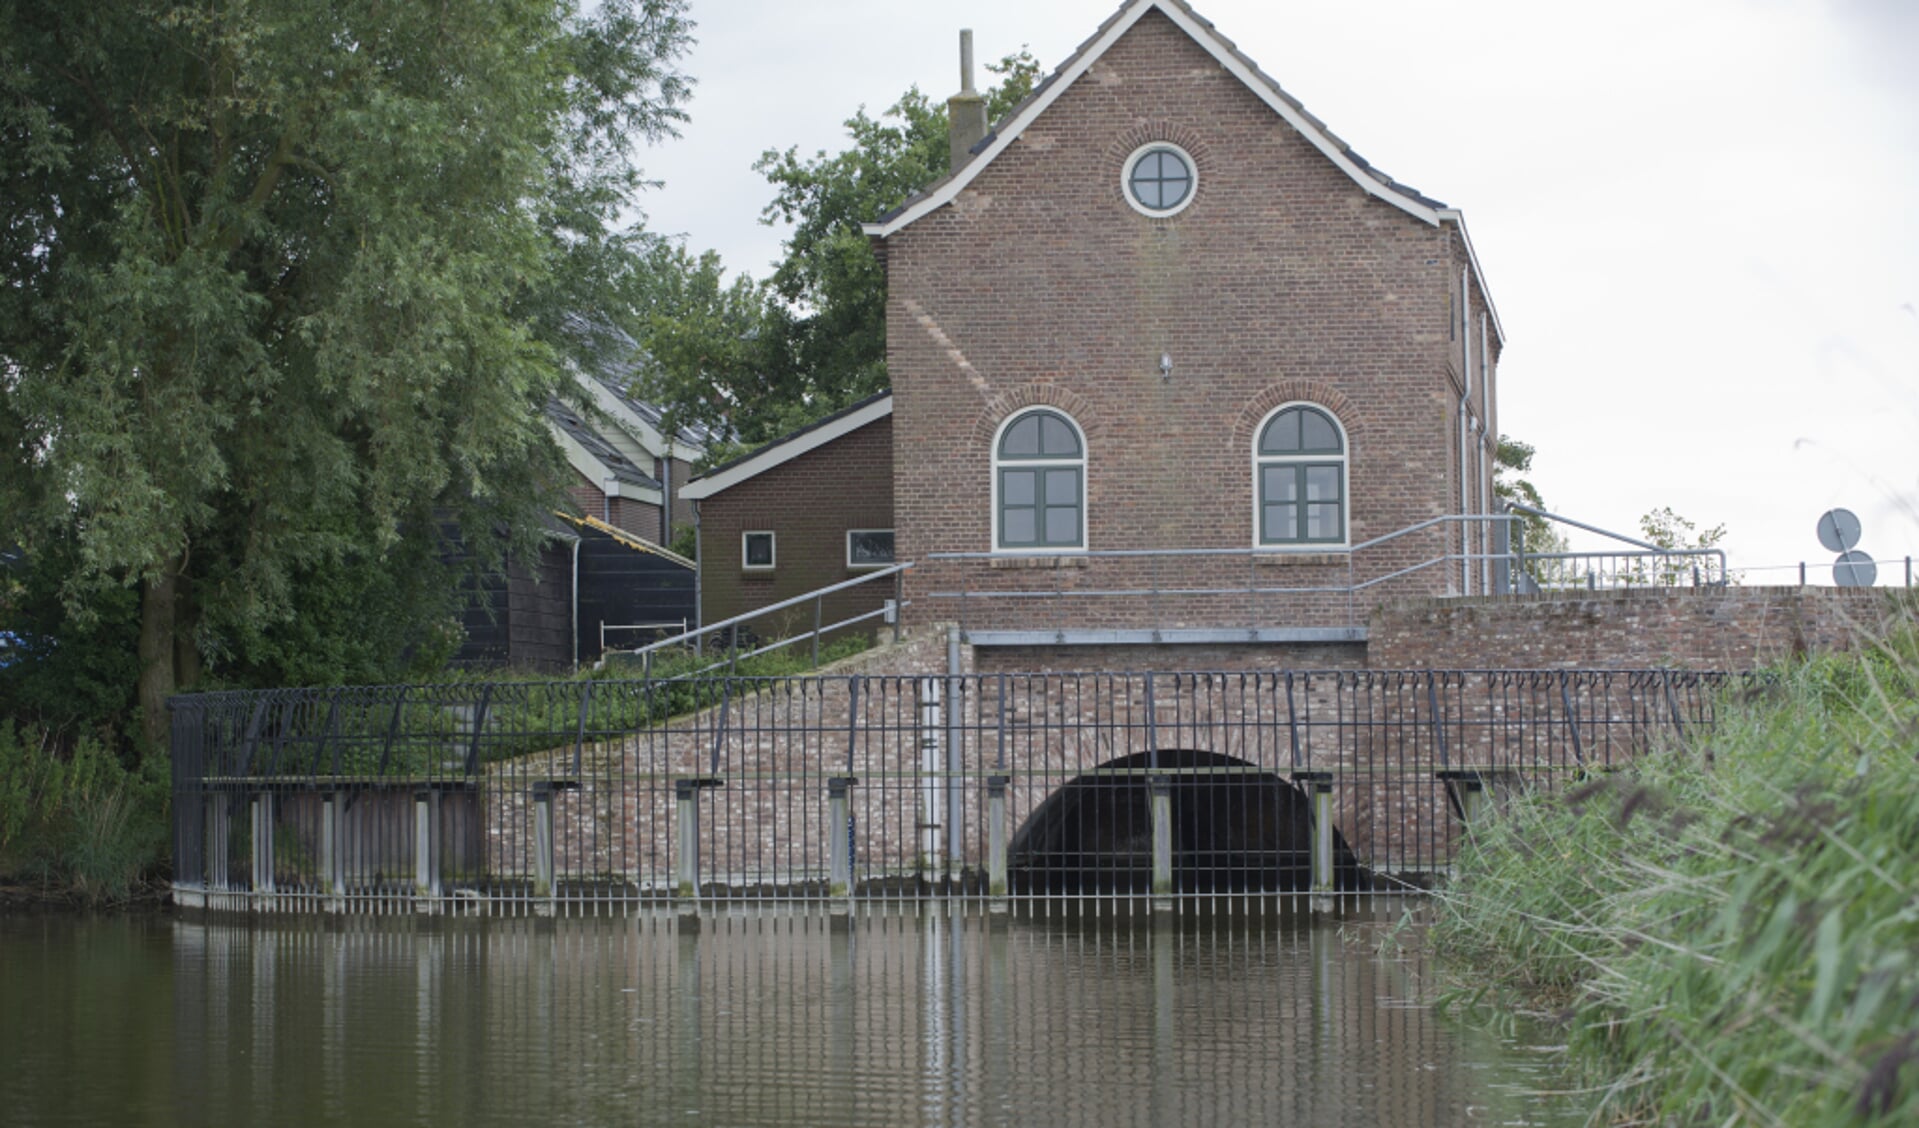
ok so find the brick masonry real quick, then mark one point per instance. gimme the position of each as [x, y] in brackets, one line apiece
[808, 503]
[1731, 629]
[1283, 281]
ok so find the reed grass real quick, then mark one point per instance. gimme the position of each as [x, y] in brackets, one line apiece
[1729, 929]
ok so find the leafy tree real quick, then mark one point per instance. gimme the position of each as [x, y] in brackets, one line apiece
[286, 285]
[818, 336]
[1668, 529]
[1511, 458]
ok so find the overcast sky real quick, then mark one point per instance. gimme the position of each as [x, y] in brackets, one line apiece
[1697, 219]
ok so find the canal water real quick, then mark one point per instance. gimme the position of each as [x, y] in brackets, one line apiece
[914, 1018]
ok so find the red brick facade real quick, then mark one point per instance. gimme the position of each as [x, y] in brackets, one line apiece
[1701, 629]
[631, 515]
[808, 503]
[1283, 281]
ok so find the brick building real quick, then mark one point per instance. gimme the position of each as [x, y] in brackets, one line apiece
[1169, 354]
[813, 509]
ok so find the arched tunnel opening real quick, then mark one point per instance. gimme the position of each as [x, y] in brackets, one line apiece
[1235, 828]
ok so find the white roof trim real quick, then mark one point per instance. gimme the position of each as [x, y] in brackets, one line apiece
[1453, 216]
[599, 473]
[784, 452]
[1203, 35]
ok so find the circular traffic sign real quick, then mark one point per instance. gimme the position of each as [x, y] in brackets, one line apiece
[1839, 530]
[1854, 569]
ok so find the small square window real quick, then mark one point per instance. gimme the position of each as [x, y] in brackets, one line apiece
[756, 550]
[869, 548]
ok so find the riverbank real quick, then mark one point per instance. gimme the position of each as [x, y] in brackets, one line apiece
[1729, 931]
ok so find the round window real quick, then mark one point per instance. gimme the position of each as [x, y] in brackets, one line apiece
[1159, 179]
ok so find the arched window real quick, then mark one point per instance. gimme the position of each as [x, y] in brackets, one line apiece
[1039, 483]
[1299, 467]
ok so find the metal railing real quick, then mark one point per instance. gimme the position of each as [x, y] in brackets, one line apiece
[741, 642]
[991, 788]
[1232, 588]
[1641, 564]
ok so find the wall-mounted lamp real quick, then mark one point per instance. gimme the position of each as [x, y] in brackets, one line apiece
[1165, 366]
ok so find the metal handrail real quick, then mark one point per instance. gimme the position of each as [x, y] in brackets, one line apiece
[815, 597]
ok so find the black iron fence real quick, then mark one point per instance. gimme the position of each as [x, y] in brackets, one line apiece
[999, 787]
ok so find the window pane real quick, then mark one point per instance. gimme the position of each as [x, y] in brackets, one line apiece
[759, 550]
[1282, 434]
[1280, 521]
[1016, 487]
[1322, 522]
[1019, 527]
[1318, 434]
[1062, 525]
[869, 546]
[1282, 483]
[1062, 487]
[1056, 438]
[1322, 483]
[1021, 439]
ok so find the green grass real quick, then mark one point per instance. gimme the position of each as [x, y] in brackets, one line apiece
[1729, 930]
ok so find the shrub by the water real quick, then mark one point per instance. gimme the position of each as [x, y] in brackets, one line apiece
[1729, 929]
[74, 820]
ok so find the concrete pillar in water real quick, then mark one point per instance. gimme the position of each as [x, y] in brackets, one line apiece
[839, 835]
[1160, 796]
[262, 844]
[219, 842]
[996, 842]
[1469, 790]
[332, 851]
[1319, 787]
[426, 848]
[932, 768]
[686, 884]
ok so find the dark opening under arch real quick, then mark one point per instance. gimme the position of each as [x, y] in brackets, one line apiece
[1235, 828]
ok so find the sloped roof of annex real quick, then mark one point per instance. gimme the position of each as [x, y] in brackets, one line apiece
[789, 446]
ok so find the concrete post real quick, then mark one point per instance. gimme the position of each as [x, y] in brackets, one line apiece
[426, 846]
[686, 886]
[996, 842]
[332, 852]
[543, 843]
[955, 765]
[1325, 883]
[932, 762]
[839, 837]
[219, 842]
[1160, 791]
[262, 843]
[1469, 790]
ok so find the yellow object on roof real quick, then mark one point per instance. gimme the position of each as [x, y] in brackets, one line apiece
[626, 538]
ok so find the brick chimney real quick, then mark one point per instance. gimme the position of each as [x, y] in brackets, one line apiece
[966, 111]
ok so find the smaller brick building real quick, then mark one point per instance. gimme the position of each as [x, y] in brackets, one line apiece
[810, 510]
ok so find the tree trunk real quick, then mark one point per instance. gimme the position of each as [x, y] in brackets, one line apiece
[186, 651]
[156, 651]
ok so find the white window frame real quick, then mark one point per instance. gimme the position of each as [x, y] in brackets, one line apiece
[853, 566]
[1085, 486]
[1345, 458]
[772, 546]
[1140, 154]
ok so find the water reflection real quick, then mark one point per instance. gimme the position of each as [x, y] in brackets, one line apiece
[764, 1018]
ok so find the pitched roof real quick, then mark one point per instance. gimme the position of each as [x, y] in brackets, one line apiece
[790, 446]
[575, 427]
[1236, 62]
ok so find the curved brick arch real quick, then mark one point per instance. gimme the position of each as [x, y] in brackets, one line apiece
[1001, 406]
[1294, 391]
[1146, 133]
